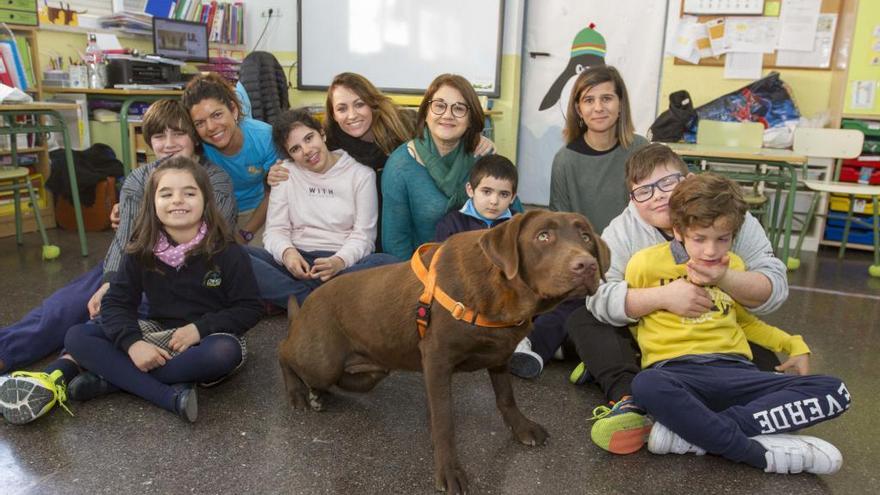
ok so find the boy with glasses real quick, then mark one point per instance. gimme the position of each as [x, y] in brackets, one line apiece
[600, 331]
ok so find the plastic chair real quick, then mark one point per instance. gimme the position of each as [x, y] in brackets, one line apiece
[16, 179]
[837, 144]
[738, 135]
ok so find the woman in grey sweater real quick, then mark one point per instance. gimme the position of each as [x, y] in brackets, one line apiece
[587, 178]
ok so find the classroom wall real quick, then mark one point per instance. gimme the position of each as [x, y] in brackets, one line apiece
[810, 88]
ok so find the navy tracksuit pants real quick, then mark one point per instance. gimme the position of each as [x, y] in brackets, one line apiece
[718, 405]
[42, 330]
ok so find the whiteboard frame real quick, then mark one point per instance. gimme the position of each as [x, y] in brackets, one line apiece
[496, 93]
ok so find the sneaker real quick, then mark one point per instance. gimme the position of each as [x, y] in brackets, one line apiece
[620, 429]
[799, 453]
[186, 403]
[526, 363]
[580, 375]
[664, 441]
[87, 386]
[25, 395]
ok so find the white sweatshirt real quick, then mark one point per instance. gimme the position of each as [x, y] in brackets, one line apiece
[629, 233]
[336, 211]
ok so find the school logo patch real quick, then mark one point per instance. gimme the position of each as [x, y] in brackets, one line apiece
[212, 279]
[254, 170]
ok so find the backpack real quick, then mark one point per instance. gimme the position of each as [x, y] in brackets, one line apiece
[671, 125]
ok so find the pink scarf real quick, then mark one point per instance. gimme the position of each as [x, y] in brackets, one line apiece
[173, 256]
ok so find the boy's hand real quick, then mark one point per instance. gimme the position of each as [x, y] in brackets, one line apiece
[326, 268]
[277, 174]
[800, 364]
[295, 264]
[146, 356]
[114, 216]
[184, 337]
[686, 299]
[703, 274]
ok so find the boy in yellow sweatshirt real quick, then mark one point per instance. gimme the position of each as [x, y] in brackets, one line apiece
[698, 382]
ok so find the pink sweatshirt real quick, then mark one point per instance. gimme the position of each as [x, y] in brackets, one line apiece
[336, 211]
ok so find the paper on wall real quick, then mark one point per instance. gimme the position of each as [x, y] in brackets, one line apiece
[751, 34]
[797, 24]
[820, 55]
[701, 38]
[863, 94]
[684, 44]
[717, 41]
[743, 65]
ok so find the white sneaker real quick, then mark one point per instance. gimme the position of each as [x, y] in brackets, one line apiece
[662, 440]
[525, 363]
[798, 453]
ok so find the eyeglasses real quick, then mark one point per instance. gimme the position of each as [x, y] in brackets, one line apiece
[438, 107]
[665, 184]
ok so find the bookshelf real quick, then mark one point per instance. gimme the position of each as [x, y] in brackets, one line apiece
[40, 167]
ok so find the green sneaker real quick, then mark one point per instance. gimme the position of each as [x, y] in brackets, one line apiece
[580, 375]
[25, 395]
[620, 429]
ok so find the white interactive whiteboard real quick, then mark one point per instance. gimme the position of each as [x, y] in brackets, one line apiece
[400, 45]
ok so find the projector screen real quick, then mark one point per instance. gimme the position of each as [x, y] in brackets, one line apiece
[400, 45]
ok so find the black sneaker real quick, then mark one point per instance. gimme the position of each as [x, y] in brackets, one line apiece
[87, 386]
[186, 403]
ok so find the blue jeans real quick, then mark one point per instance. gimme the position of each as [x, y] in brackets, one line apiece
[277, 284]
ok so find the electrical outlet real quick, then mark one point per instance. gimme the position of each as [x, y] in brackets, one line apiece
[276, 12]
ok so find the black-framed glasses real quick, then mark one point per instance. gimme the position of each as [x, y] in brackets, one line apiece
[665, 184]
[438, 107]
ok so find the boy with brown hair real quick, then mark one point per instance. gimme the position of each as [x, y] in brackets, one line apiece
[698, 382]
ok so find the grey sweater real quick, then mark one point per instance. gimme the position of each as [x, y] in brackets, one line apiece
[589, 182]
[628, 233]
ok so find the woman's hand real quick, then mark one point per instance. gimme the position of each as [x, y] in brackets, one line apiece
[147, 356]
[94, 304]
[800, 364]
[484, 147]
[114, 216]
[295, 263]
[184, 337]
[327, 268]
[277, 174]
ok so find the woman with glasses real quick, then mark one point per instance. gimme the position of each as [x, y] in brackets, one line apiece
[586, 178]
[240, 145]
[425, 177]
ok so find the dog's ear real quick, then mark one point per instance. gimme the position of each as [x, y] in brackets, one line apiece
[501, 245]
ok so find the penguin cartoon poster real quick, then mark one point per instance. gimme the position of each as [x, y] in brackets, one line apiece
[587, 50]
[561, 39]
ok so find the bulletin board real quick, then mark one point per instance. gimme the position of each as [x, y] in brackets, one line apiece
[828, 7]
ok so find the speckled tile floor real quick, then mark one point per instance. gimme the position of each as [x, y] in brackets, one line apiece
[247, 439]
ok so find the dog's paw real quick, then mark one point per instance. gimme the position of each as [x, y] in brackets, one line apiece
[315, 400]
[531, 434]
[451, 479]
[298, 401]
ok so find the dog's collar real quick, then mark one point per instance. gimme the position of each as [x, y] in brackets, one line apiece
[458, 310]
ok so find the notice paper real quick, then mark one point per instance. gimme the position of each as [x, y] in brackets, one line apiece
[684, 44]
[751, 34]
[743, 65]
[717, 41]
[820, 56]
[797, 24]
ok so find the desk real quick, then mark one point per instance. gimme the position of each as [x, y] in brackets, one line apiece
[787, 163]
[39, 111]
[127, 97]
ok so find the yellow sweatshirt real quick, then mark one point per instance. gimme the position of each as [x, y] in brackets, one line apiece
[724, 329]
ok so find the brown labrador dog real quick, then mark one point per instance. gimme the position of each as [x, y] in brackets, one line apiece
[356, 328]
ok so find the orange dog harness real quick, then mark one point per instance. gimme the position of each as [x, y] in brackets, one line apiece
[459, 311]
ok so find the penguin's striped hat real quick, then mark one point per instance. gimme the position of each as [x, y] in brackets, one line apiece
[588, 42]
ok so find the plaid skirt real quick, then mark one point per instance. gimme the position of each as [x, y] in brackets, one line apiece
[154, 333]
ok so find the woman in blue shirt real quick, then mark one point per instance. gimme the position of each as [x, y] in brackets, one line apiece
[240, 145]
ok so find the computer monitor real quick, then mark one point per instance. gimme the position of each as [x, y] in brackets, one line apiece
[181, 40]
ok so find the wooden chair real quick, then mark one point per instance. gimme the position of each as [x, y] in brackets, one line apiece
[837, 144]
[17, 180]
[739, 135]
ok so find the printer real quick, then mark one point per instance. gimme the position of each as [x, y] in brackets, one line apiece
[127, 69]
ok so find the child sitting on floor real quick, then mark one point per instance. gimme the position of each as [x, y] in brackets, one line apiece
[697, 381]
